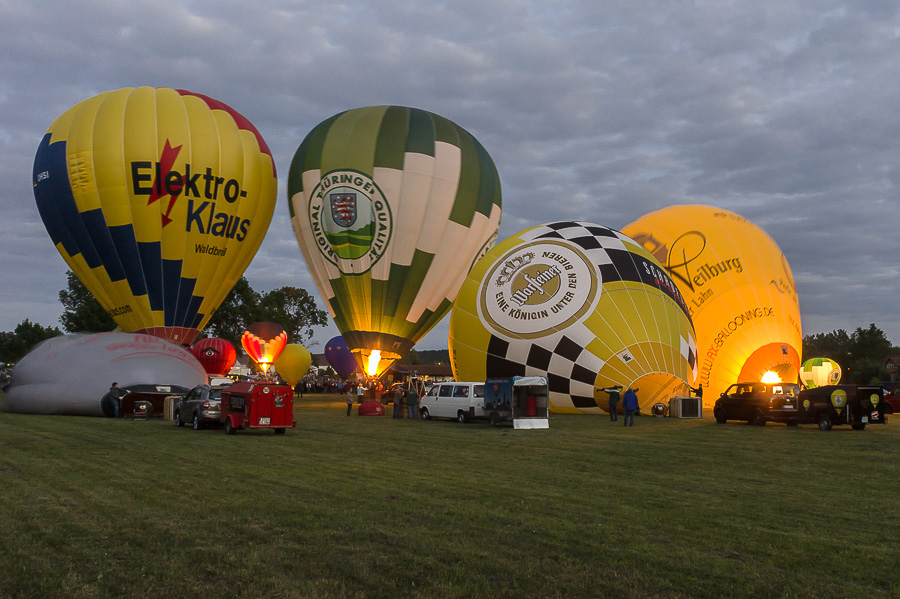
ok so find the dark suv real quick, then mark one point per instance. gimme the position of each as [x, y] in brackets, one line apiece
[201, 405]
[758, 403]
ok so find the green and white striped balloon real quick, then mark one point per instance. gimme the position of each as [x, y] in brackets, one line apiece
[391, 207]
[818, 372]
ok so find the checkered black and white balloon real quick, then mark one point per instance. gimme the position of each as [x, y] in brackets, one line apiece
[582, 304]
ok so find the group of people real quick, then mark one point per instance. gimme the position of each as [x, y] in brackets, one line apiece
[630, 402]
[407, 394]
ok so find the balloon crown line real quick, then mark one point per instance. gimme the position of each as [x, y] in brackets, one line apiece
[510, 267]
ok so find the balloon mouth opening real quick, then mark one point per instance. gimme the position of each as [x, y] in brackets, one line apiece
[176, 335]
[372, 363]
[771, 377]
[375, 362]
[779, 358]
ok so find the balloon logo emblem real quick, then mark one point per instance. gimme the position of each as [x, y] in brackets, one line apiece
[354, 220]
[839, 399]
[874, 399]
[537, 289]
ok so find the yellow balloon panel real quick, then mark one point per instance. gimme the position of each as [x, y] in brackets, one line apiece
[738, 287]
[157, 199]
[581, 304]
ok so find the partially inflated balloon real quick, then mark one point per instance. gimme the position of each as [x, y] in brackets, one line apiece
[739, 288]
[217, 355]
[581, 304]
[818, 372]
[157, 200]
[264, 342]
[391, 207]
[340, 357]
[293, 363]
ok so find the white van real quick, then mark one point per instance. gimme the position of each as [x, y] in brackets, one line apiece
[461, 401]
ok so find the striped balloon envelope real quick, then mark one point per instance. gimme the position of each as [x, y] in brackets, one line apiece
[818, 372]
[157, 199]
[391, 207]
[583, 305]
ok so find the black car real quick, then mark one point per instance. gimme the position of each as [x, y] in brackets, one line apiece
[759, 403]
[201, 405]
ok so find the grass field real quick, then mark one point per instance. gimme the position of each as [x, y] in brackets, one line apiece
[375, 507]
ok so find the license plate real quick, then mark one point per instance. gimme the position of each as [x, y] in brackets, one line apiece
[264, 421]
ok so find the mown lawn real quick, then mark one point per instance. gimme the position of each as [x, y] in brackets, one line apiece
[375, 507]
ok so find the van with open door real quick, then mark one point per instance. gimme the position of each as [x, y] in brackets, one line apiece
[525, 400]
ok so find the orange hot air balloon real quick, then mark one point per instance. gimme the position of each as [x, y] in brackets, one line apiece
[739, 288]
[293, 363]
[264, 342]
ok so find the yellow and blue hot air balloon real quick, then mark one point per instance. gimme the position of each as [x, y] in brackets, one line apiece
[157, 199]
[391, 207]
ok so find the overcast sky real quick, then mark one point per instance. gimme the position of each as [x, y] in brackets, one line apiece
[787, 113]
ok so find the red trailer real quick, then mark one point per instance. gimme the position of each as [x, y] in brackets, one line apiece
[258, 405]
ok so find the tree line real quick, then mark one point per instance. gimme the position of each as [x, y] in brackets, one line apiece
[291, 307]
[861, 354]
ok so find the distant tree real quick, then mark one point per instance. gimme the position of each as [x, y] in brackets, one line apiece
[14, 345]
[83, 313]
[239, 309]
[835, 345]
[295, 310]
[870, 348]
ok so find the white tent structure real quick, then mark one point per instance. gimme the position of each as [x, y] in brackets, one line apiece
[70, 374]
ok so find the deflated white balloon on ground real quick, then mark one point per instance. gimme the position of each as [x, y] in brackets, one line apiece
[70, 374]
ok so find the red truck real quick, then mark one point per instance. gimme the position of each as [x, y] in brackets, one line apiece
[892, 401]
[256, 404]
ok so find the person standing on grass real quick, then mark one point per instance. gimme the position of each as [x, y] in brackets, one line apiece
[349, 399]
[398, 399]
[412, 402]
[630, 405]
[116, 394]
[613, 393]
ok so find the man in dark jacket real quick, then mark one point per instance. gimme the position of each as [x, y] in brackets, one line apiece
[613, 393]
[412, 401]
[115, 396]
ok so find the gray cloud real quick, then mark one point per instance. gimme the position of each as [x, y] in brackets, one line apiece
[783, 112]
